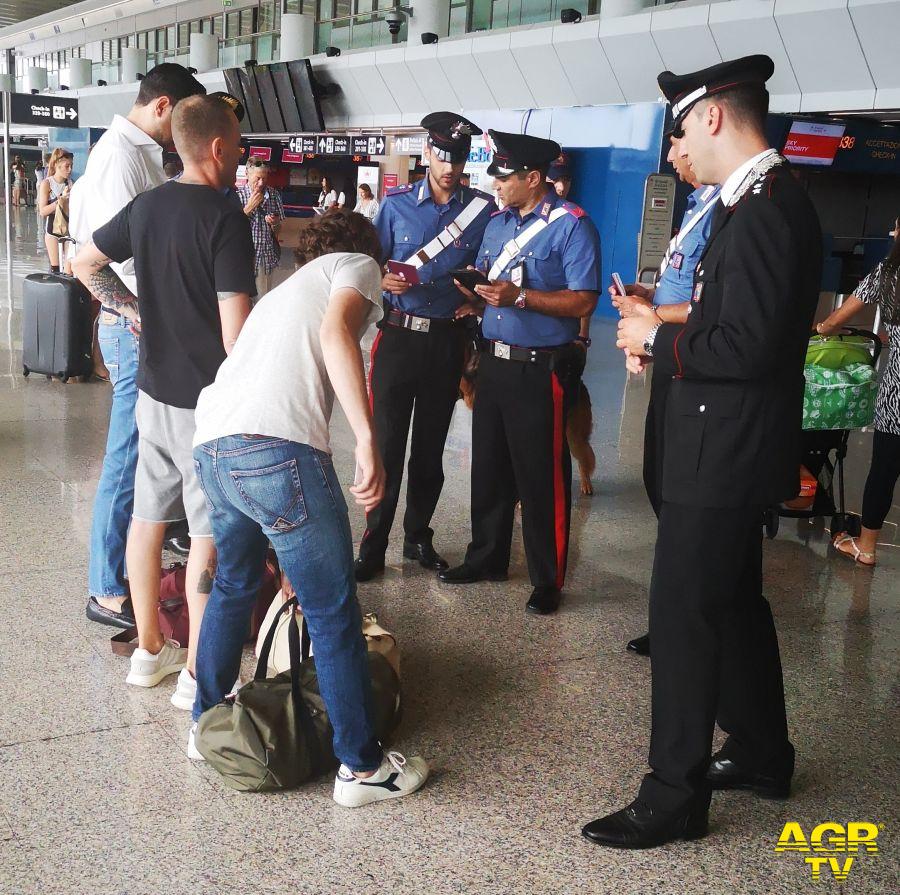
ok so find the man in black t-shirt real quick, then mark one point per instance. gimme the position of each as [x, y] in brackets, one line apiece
[193, 260]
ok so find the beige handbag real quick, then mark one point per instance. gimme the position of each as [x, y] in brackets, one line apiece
[377, 639]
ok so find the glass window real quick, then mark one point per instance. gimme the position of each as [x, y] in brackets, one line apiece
[218, 25]
[184, 30]
[196, 27]
[266, 21]
[265, 49]
[232, 24]
[248, 24]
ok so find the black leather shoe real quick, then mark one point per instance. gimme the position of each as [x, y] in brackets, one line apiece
[724, 773]
[179, 544]
[426, 555]
[640, 826]
[123, 619]
[466, 574]
[366, 569]
[544, 601]
[640, 645]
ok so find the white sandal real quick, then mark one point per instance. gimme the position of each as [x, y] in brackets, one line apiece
[854, 553]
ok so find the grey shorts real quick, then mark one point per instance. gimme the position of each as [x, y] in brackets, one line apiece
[166, 487]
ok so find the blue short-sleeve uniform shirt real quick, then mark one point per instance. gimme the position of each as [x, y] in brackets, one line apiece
[408, 220]
[565, 255]
[676, 284]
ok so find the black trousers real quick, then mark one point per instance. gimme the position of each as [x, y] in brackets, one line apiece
[882, 479]
[715, 653]
[520, 452]
[653, 438]
[412, 376]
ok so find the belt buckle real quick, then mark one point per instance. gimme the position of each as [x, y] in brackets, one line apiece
[420, 324]
[501, 349]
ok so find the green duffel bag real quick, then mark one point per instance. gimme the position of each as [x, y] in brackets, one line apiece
[839, 399]
[838, 352]
[275, 733]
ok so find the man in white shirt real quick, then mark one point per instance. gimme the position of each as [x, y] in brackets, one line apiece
[126, 161]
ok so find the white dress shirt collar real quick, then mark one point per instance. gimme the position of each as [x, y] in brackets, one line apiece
[132, 132]
[736, 178]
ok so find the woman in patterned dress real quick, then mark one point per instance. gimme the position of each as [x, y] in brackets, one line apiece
[881, 287]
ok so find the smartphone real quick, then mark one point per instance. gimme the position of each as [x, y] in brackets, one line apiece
[620, 286]
[470, 278]
[404, 271]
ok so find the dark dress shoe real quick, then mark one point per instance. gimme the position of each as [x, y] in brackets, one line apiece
[724, 773]
[179, 544]
[640, 826]
[544, 600]
[425, 555]
[640, 645]
[466, 574]
[123, 619]
[366, 569]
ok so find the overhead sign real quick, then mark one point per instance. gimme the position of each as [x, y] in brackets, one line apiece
[303, 145]
[263, 152]
[811, 143]
[331, 144]
[369, 144]
[45, 111]
[291, 158]
[409, 145]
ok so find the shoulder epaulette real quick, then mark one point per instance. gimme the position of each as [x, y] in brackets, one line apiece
[399, 190]
[573, 209]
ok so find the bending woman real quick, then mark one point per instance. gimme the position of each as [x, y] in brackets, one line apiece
[881, 287]
[263, 454]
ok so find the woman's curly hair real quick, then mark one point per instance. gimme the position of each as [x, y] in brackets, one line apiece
[338, 230]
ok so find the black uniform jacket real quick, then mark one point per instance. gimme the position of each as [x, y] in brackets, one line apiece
[734, 408]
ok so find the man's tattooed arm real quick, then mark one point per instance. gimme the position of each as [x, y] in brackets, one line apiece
[91, 266]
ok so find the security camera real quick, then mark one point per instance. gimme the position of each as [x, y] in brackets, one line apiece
[570, 16]
[332, 51]
[250, 63]
[394, 21]
[429, 37]
[35, 90]
[101, 83]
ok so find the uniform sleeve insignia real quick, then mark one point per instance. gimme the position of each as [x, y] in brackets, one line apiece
[399, 190]
[575, 210]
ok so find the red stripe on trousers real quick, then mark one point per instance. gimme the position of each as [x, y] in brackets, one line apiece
[559, 488]
[372, 390]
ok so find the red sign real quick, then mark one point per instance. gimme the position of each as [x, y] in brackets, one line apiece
[291, 158]
[390, 181]
[811, 143]
[263, 152]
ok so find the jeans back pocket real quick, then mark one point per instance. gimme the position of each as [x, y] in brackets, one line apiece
[273, 495]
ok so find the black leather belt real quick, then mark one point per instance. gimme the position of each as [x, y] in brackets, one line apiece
[543, 357]
[395, 317]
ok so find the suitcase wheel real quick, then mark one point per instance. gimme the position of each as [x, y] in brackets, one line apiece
[25, 370]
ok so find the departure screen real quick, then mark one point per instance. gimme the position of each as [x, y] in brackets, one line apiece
[811, 143]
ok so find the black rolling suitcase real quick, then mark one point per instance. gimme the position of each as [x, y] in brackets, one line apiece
[57, 329]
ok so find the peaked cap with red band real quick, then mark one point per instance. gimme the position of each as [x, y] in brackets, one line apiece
[684, 91]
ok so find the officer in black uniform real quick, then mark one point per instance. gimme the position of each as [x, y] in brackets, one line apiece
[542, 256]
[732, 436]
[431, 228]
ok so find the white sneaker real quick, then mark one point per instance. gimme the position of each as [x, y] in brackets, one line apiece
[186, 690]
[148, 670]
[397, 777]
[193, 753]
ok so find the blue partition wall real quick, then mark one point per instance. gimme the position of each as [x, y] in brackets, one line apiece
[608, 176]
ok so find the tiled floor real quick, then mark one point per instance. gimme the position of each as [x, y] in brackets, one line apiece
[532, 726]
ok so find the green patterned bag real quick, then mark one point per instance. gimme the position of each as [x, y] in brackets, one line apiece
[839, 399]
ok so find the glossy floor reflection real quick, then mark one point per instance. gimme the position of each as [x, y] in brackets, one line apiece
[533, 726]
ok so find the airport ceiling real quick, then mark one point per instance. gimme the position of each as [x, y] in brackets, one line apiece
[14, 11]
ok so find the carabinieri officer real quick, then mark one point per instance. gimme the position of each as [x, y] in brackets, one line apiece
[430, 228]
[542, 256]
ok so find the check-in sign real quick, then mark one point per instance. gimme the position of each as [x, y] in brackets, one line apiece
[46, 111]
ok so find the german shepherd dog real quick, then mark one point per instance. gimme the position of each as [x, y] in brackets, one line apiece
[579, 425]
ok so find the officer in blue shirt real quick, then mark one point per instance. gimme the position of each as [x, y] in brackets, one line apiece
[426, 230]
[669, 301]
[542, 256]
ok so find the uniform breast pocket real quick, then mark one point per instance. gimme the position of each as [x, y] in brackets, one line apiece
[407, 240]
[543, 267]
[706, 281]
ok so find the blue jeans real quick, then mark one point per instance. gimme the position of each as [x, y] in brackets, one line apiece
[115, 490]
[262, 489]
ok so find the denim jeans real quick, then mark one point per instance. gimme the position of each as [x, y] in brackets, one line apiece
[115, 490]
[262, 489]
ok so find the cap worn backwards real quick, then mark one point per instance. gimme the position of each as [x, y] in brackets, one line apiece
[684, 91]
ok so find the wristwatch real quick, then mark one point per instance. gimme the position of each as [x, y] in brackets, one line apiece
[520, 300]
[650, 339]
[585, 340]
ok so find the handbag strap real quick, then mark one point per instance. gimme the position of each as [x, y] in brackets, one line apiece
[263, 664]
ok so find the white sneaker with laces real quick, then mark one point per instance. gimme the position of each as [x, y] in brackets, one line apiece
[397, 777]
[186, 690]
[193, 753]
[148, 670]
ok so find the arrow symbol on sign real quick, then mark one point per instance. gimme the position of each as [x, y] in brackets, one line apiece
[380, 146]
[71, 113]
[321, 144]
